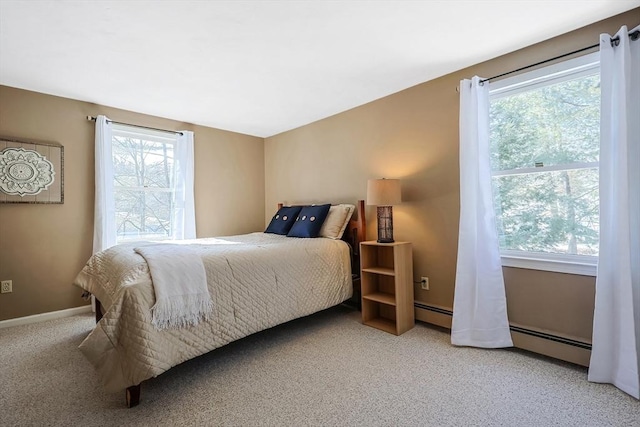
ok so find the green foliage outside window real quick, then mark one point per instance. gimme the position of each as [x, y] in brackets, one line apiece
[558, 125]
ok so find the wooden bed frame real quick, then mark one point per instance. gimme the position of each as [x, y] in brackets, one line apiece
[355, 233]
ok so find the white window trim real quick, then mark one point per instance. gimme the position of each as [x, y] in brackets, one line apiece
[556, 73]
[146, 189]
[135, 132]
[143, 134]
[552, 168]
[583, 265]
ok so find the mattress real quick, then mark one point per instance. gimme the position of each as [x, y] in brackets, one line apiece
[256, 281]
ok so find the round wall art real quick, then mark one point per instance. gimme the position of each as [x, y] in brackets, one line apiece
[24, 172]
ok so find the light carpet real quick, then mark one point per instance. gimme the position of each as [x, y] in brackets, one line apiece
[326, 369]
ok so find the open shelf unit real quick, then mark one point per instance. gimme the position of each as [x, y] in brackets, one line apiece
[387, 286]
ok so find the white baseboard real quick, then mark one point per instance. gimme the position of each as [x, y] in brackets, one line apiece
[44, 316]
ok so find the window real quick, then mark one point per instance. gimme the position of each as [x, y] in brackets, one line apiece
[144, 184]
[144, 175]
[545, 138]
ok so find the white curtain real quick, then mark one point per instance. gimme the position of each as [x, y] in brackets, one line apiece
[184, 213]
[104, 226]
[479, 304]
[616, 325]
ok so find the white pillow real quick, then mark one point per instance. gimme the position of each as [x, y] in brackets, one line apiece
[336, 221]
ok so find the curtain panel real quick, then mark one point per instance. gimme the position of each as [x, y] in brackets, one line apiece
[479, 305]
[104, 225]
[616, 326]
[184, 213]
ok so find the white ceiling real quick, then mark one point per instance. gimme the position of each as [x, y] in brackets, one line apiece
[264, 67]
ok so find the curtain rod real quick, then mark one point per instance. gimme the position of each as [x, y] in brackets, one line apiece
[93, 119]
[614, 41]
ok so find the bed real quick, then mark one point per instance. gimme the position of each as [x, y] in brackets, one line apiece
[256, 281]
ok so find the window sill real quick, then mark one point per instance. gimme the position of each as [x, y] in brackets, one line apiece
[570, 264]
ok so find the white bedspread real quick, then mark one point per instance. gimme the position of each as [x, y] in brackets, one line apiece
[256, 281]
[180, 285]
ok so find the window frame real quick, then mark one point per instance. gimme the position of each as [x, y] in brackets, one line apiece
[122, 130]
[582, 66]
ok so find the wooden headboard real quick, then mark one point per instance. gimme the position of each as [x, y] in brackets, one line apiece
[355, 233]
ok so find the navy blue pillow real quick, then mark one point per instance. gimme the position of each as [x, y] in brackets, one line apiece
[283, 220]
[309, 221]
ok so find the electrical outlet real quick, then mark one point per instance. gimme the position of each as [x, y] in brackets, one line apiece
[424, 283]
[7, 286]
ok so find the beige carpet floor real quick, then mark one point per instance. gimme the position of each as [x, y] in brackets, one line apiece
[326, 369]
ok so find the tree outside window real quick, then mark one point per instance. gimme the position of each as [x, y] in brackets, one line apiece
[544, 153]
[143, 185]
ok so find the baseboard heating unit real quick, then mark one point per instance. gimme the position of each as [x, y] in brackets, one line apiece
[548, 344]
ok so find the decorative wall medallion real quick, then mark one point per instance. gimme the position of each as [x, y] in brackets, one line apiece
[24, 172]
[31, 172]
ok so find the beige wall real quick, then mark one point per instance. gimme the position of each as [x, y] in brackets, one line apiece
[413, 135]
[43, 247]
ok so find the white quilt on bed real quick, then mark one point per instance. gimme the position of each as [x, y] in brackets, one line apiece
[256, 281]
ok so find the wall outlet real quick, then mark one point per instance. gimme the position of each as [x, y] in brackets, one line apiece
[424, 283]
[7, 286]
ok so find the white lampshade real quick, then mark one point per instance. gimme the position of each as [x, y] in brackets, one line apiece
[383, 192]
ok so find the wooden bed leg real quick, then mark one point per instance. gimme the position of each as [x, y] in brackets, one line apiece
[98, 310]
[133, 396]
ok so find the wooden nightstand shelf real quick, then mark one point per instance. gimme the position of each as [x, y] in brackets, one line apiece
[386, 275]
